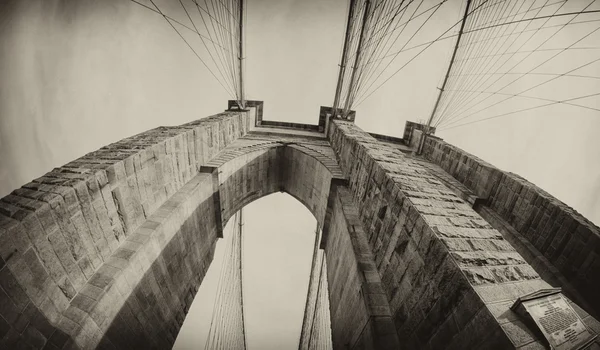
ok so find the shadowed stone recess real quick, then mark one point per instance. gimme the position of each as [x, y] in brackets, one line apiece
[360, 312]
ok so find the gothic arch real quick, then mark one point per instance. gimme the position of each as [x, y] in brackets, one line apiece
[235, 177]
[109, 250]
[245, 174]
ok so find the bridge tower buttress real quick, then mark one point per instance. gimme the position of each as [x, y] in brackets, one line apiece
[425, 251]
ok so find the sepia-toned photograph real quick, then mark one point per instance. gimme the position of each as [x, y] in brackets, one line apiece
[300, 174]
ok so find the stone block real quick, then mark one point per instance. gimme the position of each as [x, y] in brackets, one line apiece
[101, 281]
[38, 272]
[34, 337]
[14, 292]
[92, 292]
[13, 240]
[24, 318]
[65, 257]
[443, 334]
[518, 333]
[481, 326]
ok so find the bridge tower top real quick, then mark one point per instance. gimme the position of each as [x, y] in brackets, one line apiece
[325, 114]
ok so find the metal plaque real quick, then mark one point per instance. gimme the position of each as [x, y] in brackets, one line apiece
[560, 324]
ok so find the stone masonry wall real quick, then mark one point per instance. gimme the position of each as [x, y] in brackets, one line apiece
[158, 282]
[559, 234]
[360, 312]
[541, 264]
[110, 249]
[450, 277]
[150, 309]
[57, 231]
[139, 296]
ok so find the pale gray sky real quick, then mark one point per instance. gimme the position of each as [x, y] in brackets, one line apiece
[277, 258]
[79, 74]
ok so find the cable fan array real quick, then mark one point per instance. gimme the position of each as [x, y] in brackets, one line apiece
[377, 33]
[227, 328]
[509, 58]
[515, 56]
[219, 42]
[316, 325]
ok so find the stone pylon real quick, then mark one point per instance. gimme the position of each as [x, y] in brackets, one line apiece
[423, 251]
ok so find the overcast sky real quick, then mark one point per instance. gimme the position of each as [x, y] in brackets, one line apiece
[79, 74]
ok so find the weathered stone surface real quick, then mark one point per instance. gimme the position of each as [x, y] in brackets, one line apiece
[109, 250]
[554, 238]
[60, 233]
[434, 241]
[360, 312]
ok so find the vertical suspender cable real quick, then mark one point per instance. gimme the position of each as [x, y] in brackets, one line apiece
[344, 59]
[310, 284]
[359, 52]
[437, 102]
[228, 314]
[316, 301]
[241, 56]
[241, 224]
